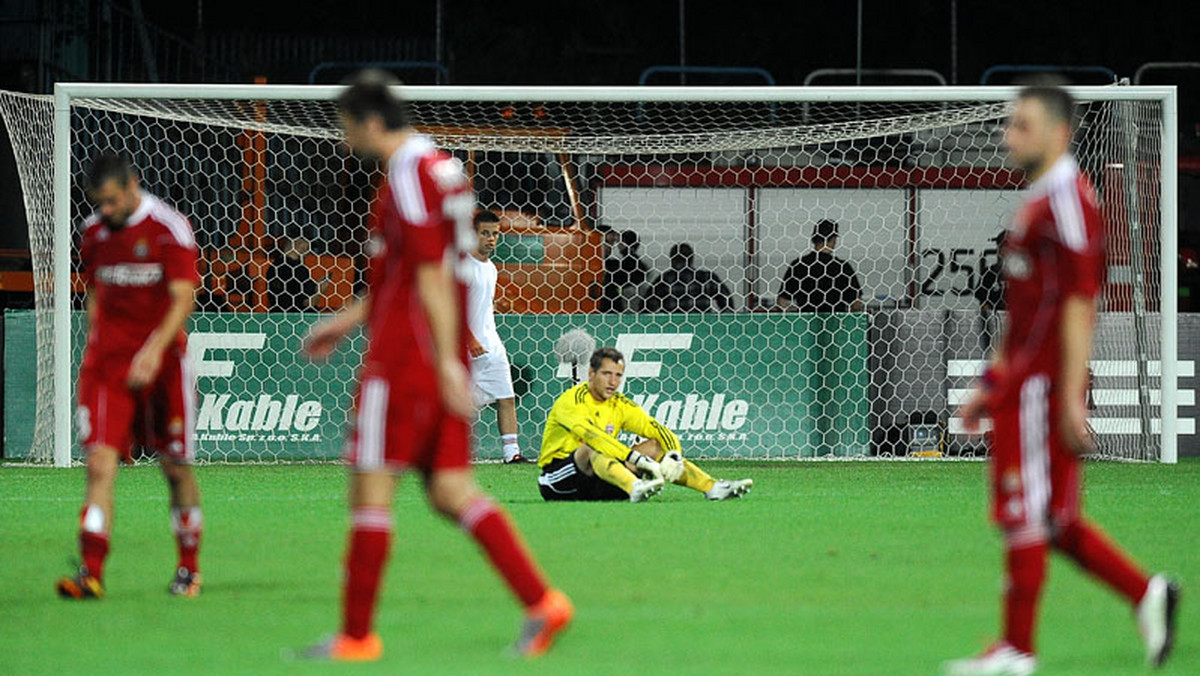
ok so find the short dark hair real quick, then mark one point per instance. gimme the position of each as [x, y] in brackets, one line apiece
[1058, 102]
[107, 167]
[368, 94]
[485, 216]
[825, 230]
[602, 353]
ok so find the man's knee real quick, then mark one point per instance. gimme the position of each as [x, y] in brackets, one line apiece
[450, 493]
[102, 465]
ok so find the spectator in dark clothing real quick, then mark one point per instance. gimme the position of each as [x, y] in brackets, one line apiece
[684, 288]
[990, 294]
[818, 281]
[624, 274]
[290, 285]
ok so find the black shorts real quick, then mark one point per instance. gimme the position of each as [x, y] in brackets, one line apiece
[563, 480]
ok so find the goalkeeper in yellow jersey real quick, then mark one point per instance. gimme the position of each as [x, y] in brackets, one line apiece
[582, 458]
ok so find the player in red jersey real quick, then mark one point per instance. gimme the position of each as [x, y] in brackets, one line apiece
[135, 383]
[1035, 388]
[414, 398]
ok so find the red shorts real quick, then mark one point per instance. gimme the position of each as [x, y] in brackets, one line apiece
[161, 416]
[397, 429]
[1035, 478]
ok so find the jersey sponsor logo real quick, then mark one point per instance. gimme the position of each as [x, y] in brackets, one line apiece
[130, 274]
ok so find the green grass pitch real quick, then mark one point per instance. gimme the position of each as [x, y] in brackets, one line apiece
[826, 568]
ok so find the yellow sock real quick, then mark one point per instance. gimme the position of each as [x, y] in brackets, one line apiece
[695, 478]
[613, 471]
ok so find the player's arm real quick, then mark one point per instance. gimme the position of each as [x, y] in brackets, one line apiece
[474, 347]
[325, 335]
[642, 424]
[436, 290]
[1078, 320]
[145, 364]
[575, 418]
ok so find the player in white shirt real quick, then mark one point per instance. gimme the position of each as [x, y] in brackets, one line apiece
[490, 371]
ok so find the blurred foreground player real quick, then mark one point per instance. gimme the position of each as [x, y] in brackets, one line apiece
[583, 459]
[414, 398]
[1034, 391]
[135, 383]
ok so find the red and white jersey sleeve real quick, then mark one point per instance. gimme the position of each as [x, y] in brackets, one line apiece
[1054, 250]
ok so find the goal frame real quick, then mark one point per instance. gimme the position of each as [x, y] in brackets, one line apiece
[66, 93]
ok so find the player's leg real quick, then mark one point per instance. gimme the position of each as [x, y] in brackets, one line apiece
[1154, 598]
[506, 421]
[612, 479]
[697, 479]
[95, 524]
[372, 451]
[103, 422]
[492, 376]
[172, 410]
[453, 493]
[369, 544]
[187, 524]
[1019, 469]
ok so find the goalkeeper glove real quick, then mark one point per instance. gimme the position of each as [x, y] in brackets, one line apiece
[645, 465]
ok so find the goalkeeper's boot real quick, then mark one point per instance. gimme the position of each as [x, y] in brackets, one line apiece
[1156, 619]
[644, 489]
[724, 490]
[999, 660]
[186, 583]
[343, 648]
[81, 585]
[543, 622]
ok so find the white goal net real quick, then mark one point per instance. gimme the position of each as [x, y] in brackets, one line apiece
[666, 222]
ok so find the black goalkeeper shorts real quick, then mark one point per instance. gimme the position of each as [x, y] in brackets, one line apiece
[563, 480]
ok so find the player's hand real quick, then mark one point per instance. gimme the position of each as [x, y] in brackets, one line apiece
[322, 338]
[144, 367]
[455, 385]
[973, 411]
[646, 465]
[1073, 426]
[475, 349]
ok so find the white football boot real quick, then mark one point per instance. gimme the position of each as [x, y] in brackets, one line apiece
[999, 660]
[723, 490]
[644, 489]
[1156, 619]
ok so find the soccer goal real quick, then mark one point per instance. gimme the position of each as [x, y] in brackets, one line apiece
[663, 221]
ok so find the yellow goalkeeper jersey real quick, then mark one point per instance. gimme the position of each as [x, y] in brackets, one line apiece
[577, 418]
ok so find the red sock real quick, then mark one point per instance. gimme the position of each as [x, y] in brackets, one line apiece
[187, 524]
[370, 538]
[1093, 551]
[1026, 568]
[93, 539]
[491, 529]
[94, 548]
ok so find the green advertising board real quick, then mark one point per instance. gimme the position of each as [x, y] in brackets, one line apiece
[749, 386]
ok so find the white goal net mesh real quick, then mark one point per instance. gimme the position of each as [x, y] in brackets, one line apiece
[670, 230]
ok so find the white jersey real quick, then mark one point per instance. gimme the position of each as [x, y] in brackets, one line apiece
[481, 295]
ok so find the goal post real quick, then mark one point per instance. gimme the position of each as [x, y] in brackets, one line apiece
[908, 170]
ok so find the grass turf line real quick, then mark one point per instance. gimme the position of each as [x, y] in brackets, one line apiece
[857, 568]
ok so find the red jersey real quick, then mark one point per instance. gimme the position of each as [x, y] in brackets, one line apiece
[128, 271]
[422, 214]
[1054, 249]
